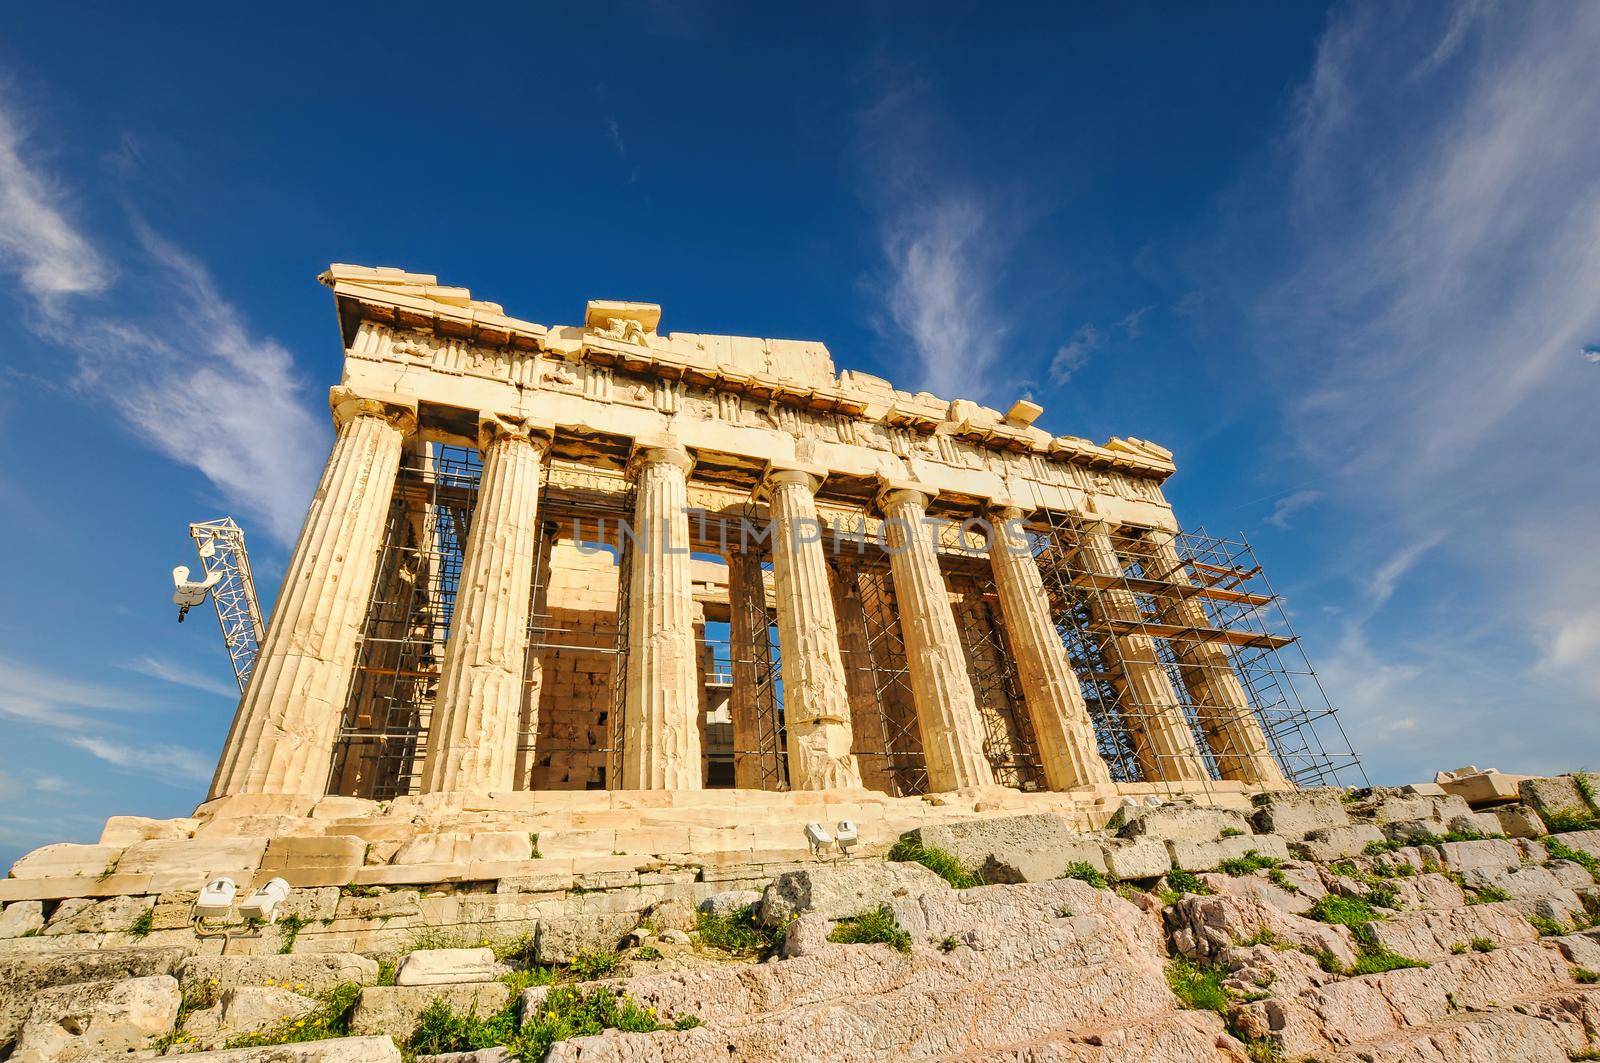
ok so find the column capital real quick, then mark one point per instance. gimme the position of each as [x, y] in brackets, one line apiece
[493, 427]
[1010, 509]
[780, 471]
[661, 452]
[348, 403]
[893, 491]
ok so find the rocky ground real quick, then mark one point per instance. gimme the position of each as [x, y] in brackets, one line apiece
[1390, 924]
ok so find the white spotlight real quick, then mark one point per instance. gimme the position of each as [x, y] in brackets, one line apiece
[216, 899]
[818, 838]
[263, 902]
[846, 836]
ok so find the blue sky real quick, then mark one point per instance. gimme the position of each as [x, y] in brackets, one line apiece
[1343, 260]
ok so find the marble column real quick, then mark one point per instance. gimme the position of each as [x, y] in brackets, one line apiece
[816, 703]
[1163, 741]
[947, 709]
[661, 744]
[1231, 728]
[747, 622]
[866, 726]
[282, 737]
[473, 733]
[1061, 724]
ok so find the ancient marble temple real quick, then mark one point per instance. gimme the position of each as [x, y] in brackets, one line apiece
[600, 556]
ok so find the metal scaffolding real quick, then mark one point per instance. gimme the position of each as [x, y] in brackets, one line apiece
[1200, 612]
[220, 544]
[384, 726]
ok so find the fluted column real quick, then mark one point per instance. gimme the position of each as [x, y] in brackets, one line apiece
[661, 746]
[1164, 743]
[281, 741]
[947, 709]
[1231, 728]
[472, 736]
[1050, 688]
[816, 704]
[747, 622]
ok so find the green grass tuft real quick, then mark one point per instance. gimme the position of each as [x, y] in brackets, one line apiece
[936, 860]
[1380, 848]
[1251, 862]
[1482, 944]
[877, 926]
[737, 933]
[143, 924]
[1547, 927]
[1379, 960]
[1487, 895]
[1560, 850]
[1352, 912]
[590, 964]
[1086, 872]
[289, 928]
[331, 1019]
[1585, 976]
[1198, 986]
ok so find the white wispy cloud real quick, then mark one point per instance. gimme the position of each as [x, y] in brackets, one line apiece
[177, 674]
[177, 765]
[1074, 354]
[1433, 275]
[1290, 504]
[38, 243]
[180, 365]
[943, 238]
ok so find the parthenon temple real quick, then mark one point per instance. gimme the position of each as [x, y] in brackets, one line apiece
[603, 557]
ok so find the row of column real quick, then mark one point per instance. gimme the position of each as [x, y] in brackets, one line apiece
[282, 738]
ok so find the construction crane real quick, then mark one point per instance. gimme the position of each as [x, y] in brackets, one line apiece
[220, 544]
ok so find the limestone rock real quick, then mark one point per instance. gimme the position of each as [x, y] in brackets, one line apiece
[114, 914]
[729, 901]
[1296, 813]
[1028, 848]
[66, 860]
[1431, 935]
[1518, 821]
[21, 919]
[1493, 854]
[1558, 795]
[1182, 823]
[1326, 844]
[395, 905]
[1257, 888]
[1427, 891]
[96, 1019]
[1206, 855]
[482, 1055]
[23, 977]
[1131, 859]
[378, 1049]
[464, 848]
[394, 1009]
[447, 966]
[312, 974]
[1205, 927]
[246, 1010]
[127, 830]
[1585, 841]
[841, 890]
[562, 938]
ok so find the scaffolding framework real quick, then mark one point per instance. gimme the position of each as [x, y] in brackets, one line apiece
[1211, 624]
[220, 544]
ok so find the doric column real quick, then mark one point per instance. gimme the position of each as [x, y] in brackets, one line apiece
[747, 622]
[1050, 688]
[1164, 744]
[661, 746]
[947, 709]
[281, 741]
[472, 736]
[866, 724]
[816, 705]
[1227, 718]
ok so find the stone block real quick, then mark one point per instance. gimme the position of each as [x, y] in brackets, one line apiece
[311, 974]
[1439, 810]
[1027, 848]
[465, 847]
[194, 859]
[313, 860]
[376, 1049]
[1583, 949]
[844, 889]
[1295, 813]
[499, 1054]
[561, 938]
[1205, 927]
[392, 905]
[1557, 796]
[447, 966]
[1517, 821]
[246, 1010]
[66, 860]
[1327, 844]
[1489, 855]
[393, 1010]
[21, 919]
[1208, 855]
[112, 915]
[1432, 935]
[93, 1020]
[24, 976]
[1484, 787]
[1585, 841]
[1182, 823]
[1131, 859]
[123, 831]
